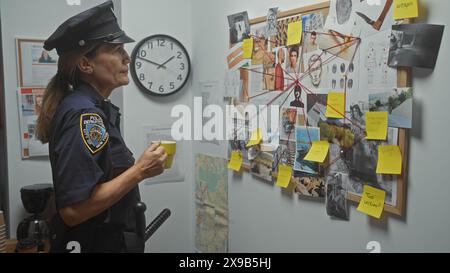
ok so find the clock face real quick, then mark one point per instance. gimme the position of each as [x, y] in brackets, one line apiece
[160, 65]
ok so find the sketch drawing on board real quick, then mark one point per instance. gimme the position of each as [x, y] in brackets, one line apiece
[271, 25]
[343, 11]
[315, 69]
[341, 17]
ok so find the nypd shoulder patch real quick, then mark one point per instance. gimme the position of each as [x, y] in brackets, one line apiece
[93, 132]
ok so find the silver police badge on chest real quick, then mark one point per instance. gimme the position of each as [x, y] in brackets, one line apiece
[93, 131]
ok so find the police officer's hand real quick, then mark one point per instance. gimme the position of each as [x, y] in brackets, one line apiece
[152, 161]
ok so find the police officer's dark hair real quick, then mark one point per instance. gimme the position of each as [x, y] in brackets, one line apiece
[67, 77]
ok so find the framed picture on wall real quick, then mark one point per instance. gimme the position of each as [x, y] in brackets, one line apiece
[36, 66]
[30, 104]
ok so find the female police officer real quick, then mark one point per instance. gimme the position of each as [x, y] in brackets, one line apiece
[94, 174]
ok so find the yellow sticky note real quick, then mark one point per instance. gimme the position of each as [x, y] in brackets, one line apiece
[295, 31]
[284, 175]
[372, 201]
[404, 9]
[318, 151]
[389, 160]
[235, 161]
[335, 105]
[255, 139]
[247, 47]
[376, 125]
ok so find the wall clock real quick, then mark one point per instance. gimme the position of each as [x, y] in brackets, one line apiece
[160, 65]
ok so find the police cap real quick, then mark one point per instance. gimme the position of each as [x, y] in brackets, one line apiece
[97, 24]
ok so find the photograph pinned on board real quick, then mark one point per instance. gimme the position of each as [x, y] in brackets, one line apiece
[336, 132]
[398, 103]
[239, 25]
[312, 24]
[261, 166]
[361, 161]
[285, 153]
[263, 57]
[304, 137]
[337, 157]
[415, 45]
[290, 117]
[316, 107]
[280, 54]
[239, 135]
[293, 61]
[282, 26]
[309, 185]
[336, 196]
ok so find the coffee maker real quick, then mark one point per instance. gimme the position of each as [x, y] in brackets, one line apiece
[33, 231]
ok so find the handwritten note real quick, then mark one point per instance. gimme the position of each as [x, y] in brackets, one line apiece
[404, 9]
[318, 151]
[376, 125]
[372, 201]
[295, 31]
[389, 160]
[284, 175]
[235, 161]
[335, 105]
[247, 46]
[255, 139]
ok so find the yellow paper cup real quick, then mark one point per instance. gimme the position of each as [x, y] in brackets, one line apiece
[171, 148]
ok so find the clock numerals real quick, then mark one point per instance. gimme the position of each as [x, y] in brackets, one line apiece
[160, 65]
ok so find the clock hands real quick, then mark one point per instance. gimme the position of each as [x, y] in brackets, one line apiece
[162, 65]
[157, 64]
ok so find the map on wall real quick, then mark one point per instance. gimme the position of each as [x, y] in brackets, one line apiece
[211, 204]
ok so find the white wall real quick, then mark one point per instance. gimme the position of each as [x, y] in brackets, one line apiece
[142, 18]
[263, 219]
[27, 19]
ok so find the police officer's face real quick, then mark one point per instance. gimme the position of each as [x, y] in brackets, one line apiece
[110, 66]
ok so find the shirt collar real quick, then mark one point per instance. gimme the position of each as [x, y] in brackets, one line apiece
[90, 91]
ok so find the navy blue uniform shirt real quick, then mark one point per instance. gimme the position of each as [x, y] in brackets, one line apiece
[86, 149]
